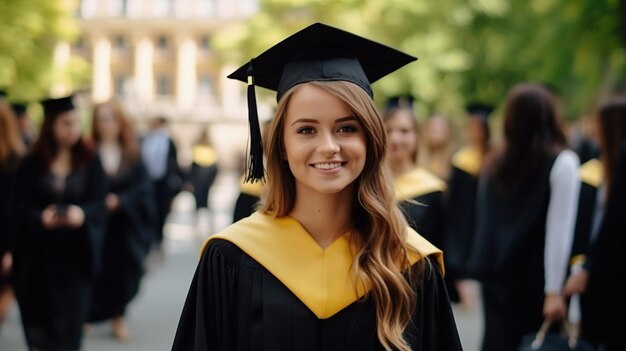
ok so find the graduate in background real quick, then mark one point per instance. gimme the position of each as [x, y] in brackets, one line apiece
[328, 262]
[460, 201]
[160, 157]
[61, 219]
[525, 216]
[438, 146]
[130, 205]
[11, 152]
[601, 234]
[418, 191]
[24, 122]
[204, 170]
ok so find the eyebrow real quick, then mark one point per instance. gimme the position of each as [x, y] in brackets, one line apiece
[311, 120]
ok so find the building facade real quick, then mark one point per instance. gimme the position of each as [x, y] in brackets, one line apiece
[156, 56]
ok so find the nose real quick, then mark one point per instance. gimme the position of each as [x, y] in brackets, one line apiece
[328, 144]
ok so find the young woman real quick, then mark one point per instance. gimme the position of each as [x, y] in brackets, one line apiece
[61, 217]
[11, 151]
[418, 191]
[328, 262]
[130, 205]
[525, 221]
[599, 246]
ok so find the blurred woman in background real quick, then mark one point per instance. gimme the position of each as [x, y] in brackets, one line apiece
[130, 205]
[526, 210]
[61, 217]
[11, 151]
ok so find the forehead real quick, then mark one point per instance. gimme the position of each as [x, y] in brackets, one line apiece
[311, 101]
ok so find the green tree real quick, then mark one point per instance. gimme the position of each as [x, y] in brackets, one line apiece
[29, 32]
[475, 49]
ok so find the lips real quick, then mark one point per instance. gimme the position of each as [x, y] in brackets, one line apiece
[327, 165]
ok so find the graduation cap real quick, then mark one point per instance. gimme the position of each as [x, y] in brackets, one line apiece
[480, 109]
[316, 53]
[19, 108]
[54, 107]
[400, 101]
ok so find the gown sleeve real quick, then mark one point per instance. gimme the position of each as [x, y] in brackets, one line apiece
[95, 212]
[207, 320]
[435, 327]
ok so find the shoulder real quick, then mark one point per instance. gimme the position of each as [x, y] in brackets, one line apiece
[566, 163]
[591, 172]
[468, 160]
[222, 251]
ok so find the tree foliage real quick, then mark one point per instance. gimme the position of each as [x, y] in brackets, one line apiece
[476, 49]
[29, 32]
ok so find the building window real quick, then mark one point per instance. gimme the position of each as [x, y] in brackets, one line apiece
[205, 87]
[164, 85]
[120, 42]
[163, 43]
[87, 8]
[120, 85]
[118, 7]
[205, 43]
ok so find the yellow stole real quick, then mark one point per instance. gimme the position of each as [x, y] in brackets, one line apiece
[468, 159]
[203, 155]
[320, 278]
[253, 189]
[417, 182]
[591, 172]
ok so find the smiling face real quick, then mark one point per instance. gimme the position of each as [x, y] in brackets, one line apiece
[324, 144]
[402, 132]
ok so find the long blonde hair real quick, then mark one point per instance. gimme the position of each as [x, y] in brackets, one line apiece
[11, 144]
[380, 243]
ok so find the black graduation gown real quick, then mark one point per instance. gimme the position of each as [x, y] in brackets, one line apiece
[507, 257]
[234, 303]
[8, 171]
[607, 270]
[204, 168]
[459, 214]
[249, 197]
[54, 269]
[127, 242]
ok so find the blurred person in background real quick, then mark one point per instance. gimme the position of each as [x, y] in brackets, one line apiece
[204, 169]
[61, 218]
[11, 151]
[599, 270]
[160, 157]
[131, 221]
[438, 146]
[418, 191]
[24, 122]
[460, 200]
[526, 211]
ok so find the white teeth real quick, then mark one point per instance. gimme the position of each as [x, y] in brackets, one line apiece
[327, 165]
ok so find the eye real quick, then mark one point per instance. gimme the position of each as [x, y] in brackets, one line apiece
[305, 130]
[347, 129]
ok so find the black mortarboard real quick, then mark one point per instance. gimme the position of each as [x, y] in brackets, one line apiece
[316, 53]
[400, 101]
[18, 108]
[53, 107]
[480, 109]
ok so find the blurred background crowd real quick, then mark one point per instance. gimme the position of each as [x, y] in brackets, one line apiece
[128, 105]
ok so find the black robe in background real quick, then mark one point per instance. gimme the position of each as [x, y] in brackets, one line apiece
[426, 216]
[234, 303]
[507, 257]
[8, 171]
[248, 199]
[54, 269]
[127, 242]
[459, 216]
[606, 305]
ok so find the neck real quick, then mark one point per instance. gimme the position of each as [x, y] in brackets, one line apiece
[399, 167]
[324, 216]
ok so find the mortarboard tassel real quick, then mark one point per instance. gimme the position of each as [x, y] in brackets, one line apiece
[255, 171]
